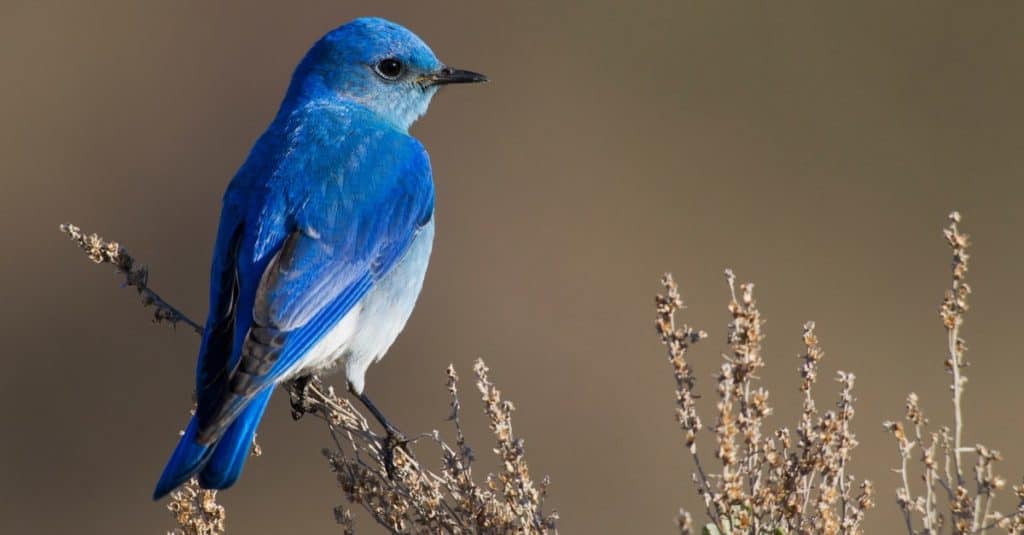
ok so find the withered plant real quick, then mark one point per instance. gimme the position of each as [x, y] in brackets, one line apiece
[767, 482]
[967, 499]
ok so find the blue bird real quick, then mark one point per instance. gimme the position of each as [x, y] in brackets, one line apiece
[323, 242]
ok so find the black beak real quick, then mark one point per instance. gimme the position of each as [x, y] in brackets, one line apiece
[448, 75]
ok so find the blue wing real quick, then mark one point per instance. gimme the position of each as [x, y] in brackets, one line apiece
[216, 348]
[340, 200]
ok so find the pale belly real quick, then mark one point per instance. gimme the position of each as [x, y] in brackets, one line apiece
[364, 335]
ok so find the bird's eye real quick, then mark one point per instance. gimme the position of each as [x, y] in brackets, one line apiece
[390, 68]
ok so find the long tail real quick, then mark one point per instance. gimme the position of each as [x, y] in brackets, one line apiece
[220, 463]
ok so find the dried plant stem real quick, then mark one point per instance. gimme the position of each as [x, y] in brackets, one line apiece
[954, 306]
[101, 251]
[958, 391]
[678, 340]
[931, 519]
[969, 512]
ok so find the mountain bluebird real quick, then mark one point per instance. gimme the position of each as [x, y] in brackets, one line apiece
[323, 243]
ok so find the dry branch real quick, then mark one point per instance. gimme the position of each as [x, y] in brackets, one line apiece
[967, 510]
[766, 483]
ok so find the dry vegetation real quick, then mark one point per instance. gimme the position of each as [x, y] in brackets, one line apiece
[797, 481]
[768, 481]
[967, 502]
[765, 480]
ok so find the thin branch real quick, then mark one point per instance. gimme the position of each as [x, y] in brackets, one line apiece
[135, 275]
[953, 308]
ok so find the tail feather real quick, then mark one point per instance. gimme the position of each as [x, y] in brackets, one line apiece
[218, 464]
[187, 459]
[229, 455]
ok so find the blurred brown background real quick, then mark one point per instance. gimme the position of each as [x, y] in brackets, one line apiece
[814, 150]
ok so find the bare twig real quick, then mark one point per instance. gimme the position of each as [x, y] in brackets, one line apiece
[953, 308]
[109, 252]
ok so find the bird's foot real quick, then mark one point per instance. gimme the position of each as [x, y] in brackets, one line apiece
[299, 395]
[392, 441]
[394, 438]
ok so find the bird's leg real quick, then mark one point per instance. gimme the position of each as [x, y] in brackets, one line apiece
[394, 438]
[298, 391]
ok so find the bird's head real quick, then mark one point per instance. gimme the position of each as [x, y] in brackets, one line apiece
[380, 65]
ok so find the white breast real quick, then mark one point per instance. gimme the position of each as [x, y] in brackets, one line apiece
[364, 335]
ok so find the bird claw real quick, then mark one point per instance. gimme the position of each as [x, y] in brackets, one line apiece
[392, 441]
[299, 396]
